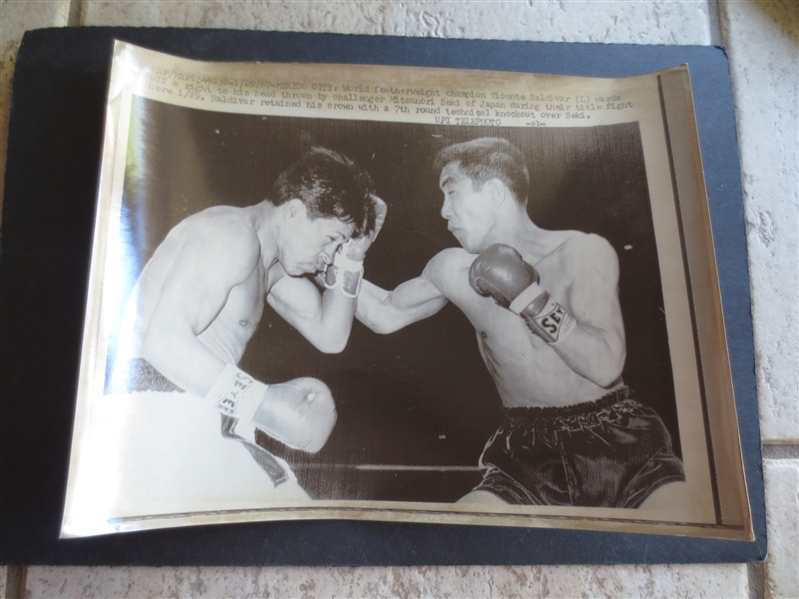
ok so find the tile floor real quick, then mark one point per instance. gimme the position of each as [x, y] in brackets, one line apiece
[762, 38]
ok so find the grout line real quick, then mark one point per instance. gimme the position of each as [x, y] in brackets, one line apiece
[75, 17]
[756, 571]
[15, 582]
[780, 451]
[714, 23]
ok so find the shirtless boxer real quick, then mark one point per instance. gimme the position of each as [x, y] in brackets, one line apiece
[200, 298]
[545, 308]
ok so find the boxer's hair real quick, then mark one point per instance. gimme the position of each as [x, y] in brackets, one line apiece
[488, 158]
[330, 185]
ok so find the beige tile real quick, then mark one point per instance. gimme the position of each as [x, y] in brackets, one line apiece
[782, 515]
[562, 581]
[762, 40]
[649, 22]
[16, 17]
[11, 581]
[698, 580]
[615, 21]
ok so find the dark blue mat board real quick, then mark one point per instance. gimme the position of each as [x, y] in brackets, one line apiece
[53, 165]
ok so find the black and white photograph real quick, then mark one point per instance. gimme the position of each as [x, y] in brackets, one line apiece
[346, 313]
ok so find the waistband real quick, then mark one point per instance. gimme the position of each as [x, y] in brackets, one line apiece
[137, 374]
[608, 407]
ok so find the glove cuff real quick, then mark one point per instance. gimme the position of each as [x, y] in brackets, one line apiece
[545, 317]
[235, 393]
[345, 273]
[525, 298]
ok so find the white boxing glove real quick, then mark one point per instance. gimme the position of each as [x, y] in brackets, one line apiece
[346, 272]
[299, 413]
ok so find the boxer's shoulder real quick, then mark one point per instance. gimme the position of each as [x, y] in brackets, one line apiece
[224, 220]
[591, 252]
[223, 228]
[453, 258]
[449, 260]
[218, 241]
[587, 244]
[448, 270]
[581, 250]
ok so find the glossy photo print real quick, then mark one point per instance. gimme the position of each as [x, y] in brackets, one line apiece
[441, 300]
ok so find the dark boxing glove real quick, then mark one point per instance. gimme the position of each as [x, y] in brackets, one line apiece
[501, 273]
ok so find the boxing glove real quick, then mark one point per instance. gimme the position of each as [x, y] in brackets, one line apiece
[346, 272]
[299, 413]
[355, 248]
[501, 273]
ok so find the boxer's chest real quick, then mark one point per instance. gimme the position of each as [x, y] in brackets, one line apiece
[555, 275]
[244, 307]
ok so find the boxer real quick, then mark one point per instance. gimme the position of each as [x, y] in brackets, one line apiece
[200, 298]
[549, 327]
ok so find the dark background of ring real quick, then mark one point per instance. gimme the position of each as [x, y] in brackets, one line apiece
[421, 396]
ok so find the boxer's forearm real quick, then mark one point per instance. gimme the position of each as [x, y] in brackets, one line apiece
[332, 331]
[324, 317]
[182, 359]
[373, 309]
[594, 354]
[388, 311]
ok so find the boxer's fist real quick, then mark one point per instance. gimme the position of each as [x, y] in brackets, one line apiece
[300, 413]
[501, 273]
[355, 248]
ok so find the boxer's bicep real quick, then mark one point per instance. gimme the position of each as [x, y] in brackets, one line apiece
[417, 299]
[323, 319]
[388, 311]
[298, 302]
[593, 298]
[595, 347]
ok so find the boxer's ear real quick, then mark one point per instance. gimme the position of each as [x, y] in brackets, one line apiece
[295, 208]
[496, 191]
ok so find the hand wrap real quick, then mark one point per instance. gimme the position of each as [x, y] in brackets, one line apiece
[543, 315]
[345, 274]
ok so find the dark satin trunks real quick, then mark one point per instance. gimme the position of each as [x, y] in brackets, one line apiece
[612, 452]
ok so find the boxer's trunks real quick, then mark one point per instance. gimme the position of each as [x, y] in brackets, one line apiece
[138, 375]
[612, 452]
[154, 452]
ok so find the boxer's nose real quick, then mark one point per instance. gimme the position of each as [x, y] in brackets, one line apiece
[446, 210]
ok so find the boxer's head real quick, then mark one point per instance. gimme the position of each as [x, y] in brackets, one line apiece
[327, 199]
[473, 175]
